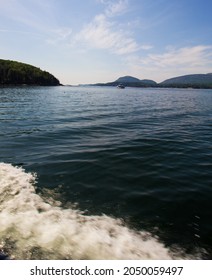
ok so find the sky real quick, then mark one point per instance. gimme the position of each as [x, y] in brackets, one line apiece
[91, 41]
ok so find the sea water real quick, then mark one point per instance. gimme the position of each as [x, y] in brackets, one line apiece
[105, 173]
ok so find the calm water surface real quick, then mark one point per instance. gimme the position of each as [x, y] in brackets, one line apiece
[139, 159]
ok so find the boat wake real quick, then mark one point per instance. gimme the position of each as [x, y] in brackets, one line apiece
[31, 228]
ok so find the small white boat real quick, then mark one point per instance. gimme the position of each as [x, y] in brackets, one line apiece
[120, 86]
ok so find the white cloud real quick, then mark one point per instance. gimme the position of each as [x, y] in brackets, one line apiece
[174, 62]
[34, 14]
[188, 56]
[116, 8]
[146, 47]
[102, 34]
[60, 35]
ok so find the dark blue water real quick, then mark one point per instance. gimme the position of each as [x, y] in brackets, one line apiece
[141, 155]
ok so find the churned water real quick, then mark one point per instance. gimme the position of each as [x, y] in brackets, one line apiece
[104, 173]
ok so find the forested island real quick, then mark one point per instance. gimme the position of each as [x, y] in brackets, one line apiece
[18, 73]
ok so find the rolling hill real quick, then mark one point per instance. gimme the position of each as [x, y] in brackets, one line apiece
[18, 73]
[130, 81]
[195, 81]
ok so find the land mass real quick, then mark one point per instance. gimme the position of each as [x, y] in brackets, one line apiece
[195, 81]
[186, 81]
[18, 73]
[130, 82]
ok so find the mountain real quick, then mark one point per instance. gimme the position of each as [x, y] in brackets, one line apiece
[130, 81]
[186, 81]
[127, 79]
[195, 81]
[18, 73]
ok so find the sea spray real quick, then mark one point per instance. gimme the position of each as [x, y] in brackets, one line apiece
[31, 228]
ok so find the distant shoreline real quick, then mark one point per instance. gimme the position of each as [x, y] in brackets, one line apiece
[13, 73]
[195, 81]
[156, 86]
[96, 85]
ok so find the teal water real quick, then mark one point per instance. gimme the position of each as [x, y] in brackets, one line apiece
[136, 159]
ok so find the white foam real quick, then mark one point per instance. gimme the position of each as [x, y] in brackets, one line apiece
[31, 228]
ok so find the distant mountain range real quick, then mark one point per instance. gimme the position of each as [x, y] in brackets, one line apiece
[186, 81]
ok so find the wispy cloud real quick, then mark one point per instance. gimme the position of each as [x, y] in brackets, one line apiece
[188, 56]
[173, 62]
[116, 8]
[34, 14]
[103, 32]
[60, 35]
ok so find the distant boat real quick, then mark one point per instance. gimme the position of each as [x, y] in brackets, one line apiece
[120, 86]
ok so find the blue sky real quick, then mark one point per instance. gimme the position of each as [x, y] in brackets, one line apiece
[89, 41]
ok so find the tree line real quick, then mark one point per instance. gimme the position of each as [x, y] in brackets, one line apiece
[17, 73]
